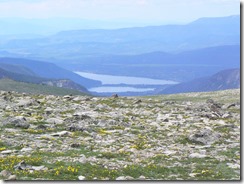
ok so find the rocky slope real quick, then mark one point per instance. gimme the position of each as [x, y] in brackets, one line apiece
[193, 136]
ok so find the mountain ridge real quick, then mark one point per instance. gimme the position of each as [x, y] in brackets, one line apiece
[170, 38]
[225, 79]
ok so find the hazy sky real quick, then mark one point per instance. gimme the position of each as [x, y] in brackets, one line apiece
[135, 10]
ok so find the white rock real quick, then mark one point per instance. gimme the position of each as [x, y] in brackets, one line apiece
[63, 133]
[154, 124]
[26, 149]
[193, 174]
[12, 177]
[120, 178]
[168, 152]
[233, 166]
[81, 177]
[197, 155]
[7, 151]
[38, 168]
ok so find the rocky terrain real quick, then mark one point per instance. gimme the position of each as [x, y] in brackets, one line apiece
[192, 136]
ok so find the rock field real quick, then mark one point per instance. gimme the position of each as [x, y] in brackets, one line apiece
[193, 136]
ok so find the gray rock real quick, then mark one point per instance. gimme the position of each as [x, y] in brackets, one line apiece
[142, 178]
[74, 128]
[22, 166]
[205, 136]
[18, 121]
[25, 102]
[55, 121]
[82, 159]
[5, 173]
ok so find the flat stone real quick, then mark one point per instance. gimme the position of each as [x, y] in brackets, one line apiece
[39, 168]
[26, 149]
[197, 155]
[60, 134]
[12, 177]
[7, 151]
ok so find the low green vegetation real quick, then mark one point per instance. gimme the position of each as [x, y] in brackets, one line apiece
[147, 141]
[21, 87]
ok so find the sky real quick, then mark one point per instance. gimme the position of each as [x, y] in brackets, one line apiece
[174, 11]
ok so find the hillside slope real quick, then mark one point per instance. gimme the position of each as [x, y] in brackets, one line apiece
[226, 79]
[64, 83]
[50, 70]
[29, 88]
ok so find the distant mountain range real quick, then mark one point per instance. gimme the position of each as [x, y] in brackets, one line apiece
[78, 44]
[180, 53]
[180, 67]
[226, 79]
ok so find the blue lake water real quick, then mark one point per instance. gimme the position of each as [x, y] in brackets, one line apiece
[108, 89]
[113, 79]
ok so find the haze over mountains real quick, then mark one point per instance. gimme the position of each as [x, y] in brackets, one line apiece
[180, 53]
[74, 45]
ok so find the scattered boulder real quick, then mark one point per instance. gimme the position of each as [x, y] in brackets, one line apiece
[23, 166]
[124, 178]
[75, 145]
[5, 173]
[82, 159]
[61, 134]
[196, 155]
[138, 101]
[12, 177]
[56, 121]
[205, 136]
[26, 149]
[74, 128]
[5, 152]
[81, 177]
[115, 96]
[18, 121]
[142, 177]
[25, 102]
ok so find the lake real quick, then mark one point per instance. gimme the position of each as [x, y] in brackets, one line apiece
[108, 89]
[115, 80]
